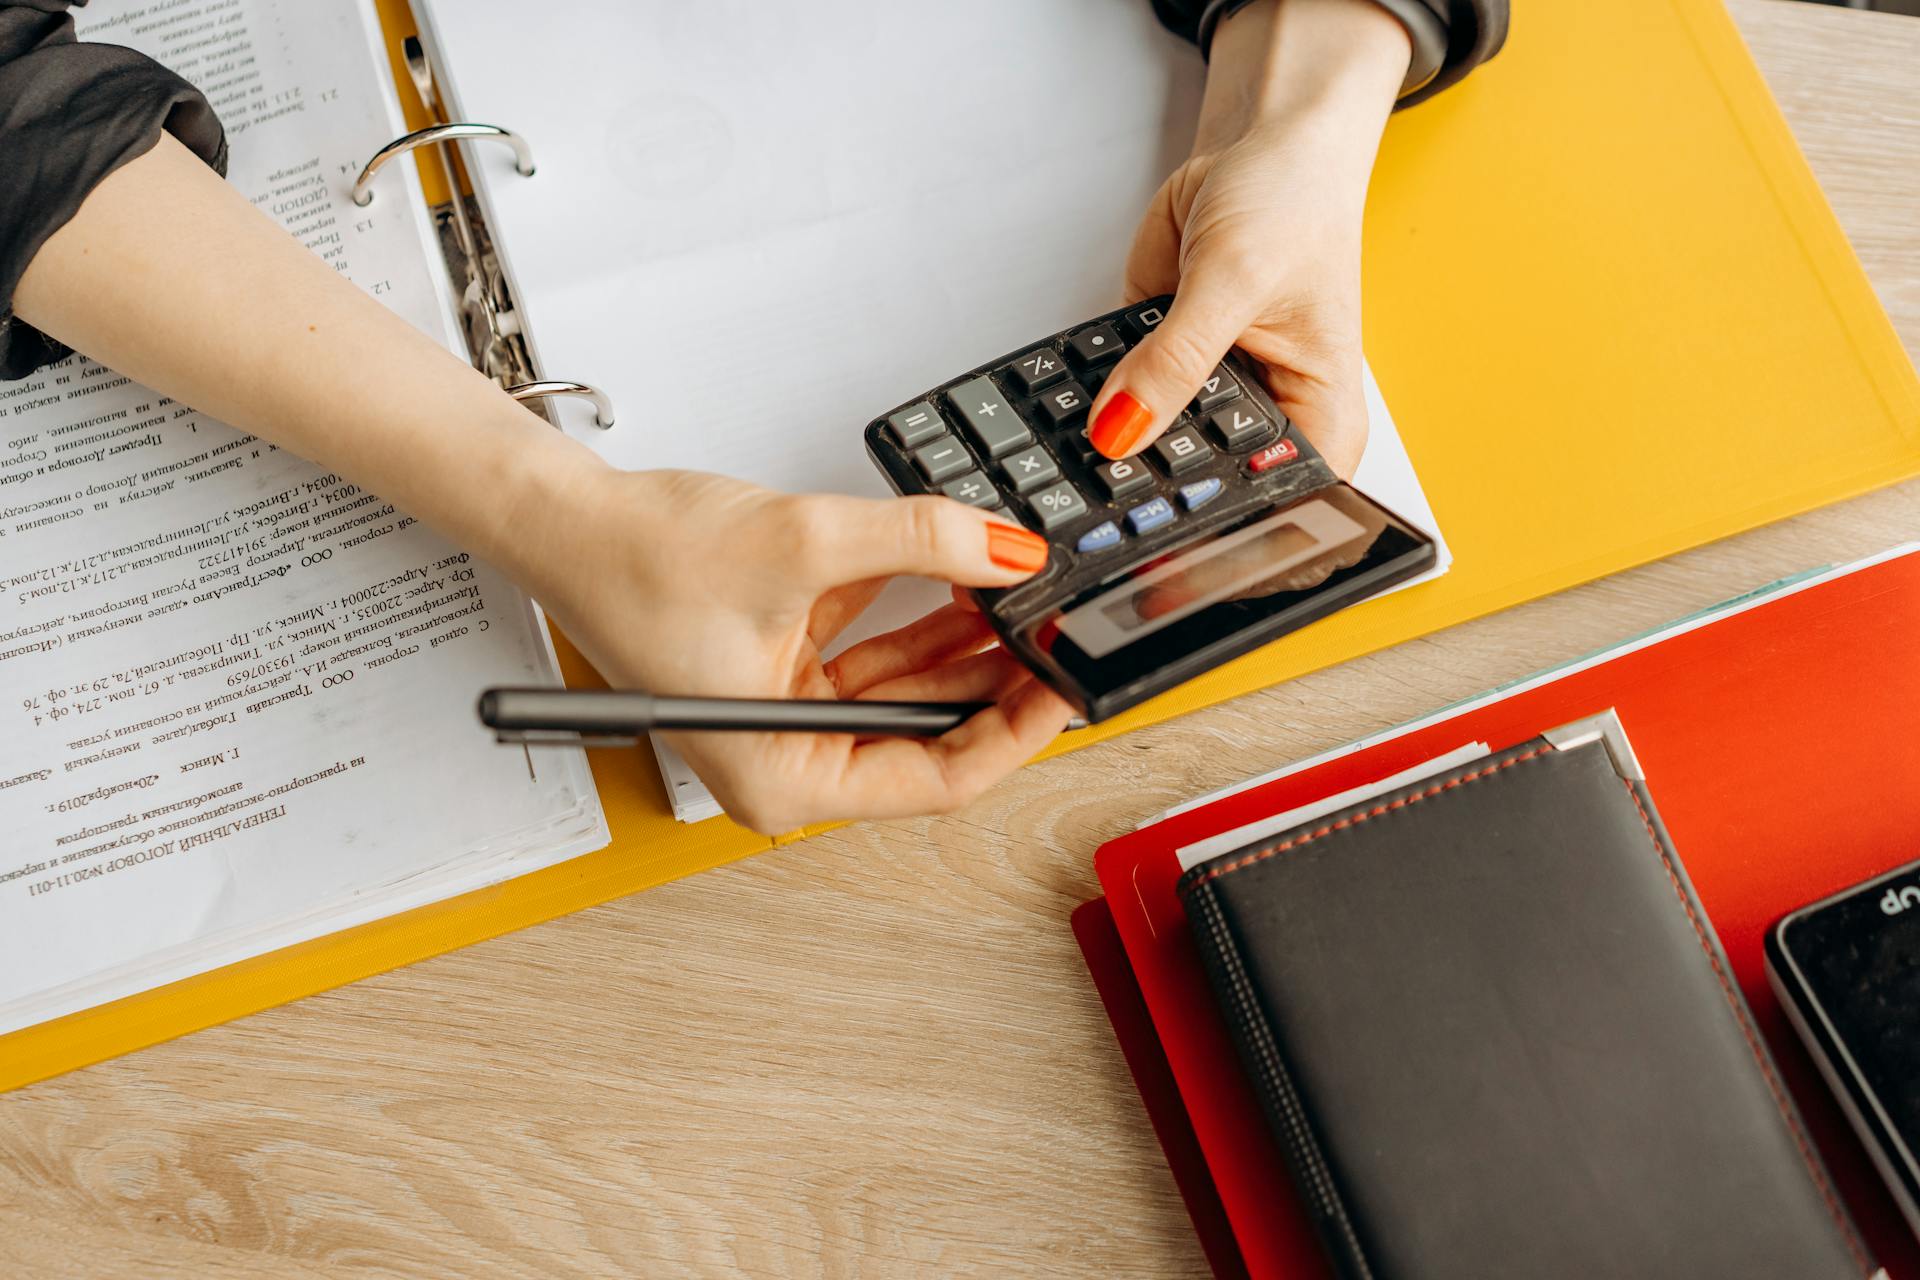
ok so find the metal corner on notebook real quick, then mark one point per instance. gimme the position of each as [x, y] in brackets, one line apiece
[1604, 727]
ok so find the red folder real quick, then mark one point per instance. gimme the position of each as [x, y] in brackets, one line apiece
[1781, 738]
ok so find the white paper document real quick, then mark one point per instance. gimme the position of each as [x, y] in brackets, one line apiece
[758, 227]
[237, 693]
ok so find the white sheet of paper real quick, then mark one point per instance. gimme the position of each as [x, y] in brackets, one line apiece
[239, 693]
[759, 226]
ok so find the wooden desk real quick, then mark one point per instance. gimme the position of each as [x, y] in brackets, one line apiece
[876, 1052]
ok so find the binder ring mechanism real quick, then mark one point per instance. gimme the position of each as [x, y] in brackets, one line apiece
[601, 401]
[494, 349]
[432, 135]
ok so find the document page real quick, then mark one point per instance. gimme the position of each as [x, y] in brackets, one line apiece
[237, 692]
[760, 227]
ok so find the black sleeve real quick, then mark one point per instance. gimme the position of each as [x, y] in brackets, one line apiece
[1450, 37]
[70, 114]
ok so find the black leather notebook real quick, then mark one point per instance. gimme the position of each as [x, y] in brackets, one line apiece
[1495, 1036]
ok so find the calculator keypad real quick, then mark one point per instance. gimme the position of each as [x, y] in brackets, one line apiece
[1013, 437]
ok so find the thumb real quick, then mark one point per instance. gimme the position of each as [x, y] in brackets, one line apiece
[1154, 381]
[837, 540]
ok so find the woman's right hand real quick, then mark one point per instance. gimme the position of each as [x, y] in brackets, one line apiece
[686, 583]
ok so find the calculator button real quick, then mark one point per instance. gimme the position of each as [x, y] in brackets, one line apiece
[1150, 515]
[1063, 406]
[1216, 390]
[1035, 371]
[995, 427]
[1181, 450]
[1274, 455]
[1198, 494]
[1127, 475]
[1029, 469]
[1238, 427]
[942, 460]
[916, 424]
[1104, 536]
[1095, 346]
[1057, 506]
[973, 489]
[1144, 319]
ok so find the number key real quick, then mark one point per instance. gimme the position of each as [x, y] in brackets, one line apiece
[1059, 505]
[1238, 426]
[1145, 318]
[1181, 450]
[1216, 390]
[1127, 475]
[1063, 406]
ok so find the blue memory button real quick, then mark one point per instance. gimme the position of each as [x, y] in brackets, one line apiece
[1150, 515]
[1101, 537]
[1198, 494]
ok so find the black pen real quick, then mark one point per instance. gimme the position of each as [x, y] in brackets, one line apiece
[573, 716]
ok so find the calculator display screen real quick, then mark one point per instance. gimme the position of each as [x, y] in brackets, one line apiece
[1293, 548]
[1176, 614]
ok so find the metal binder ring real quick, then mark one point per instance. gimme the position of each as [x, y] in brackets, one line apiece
[522, 153]
[602, 402]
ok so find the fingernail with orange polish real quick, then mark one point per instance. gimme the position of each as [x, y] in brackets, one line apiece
[1122, 423]
[1012, 547]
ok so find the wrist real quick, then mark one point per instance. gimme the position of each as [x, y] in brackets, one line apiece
[1290, 64]
[541, 518]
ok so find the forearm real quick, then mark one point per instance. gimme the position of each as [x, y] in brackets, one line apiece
[1283, 62]
[170, 276]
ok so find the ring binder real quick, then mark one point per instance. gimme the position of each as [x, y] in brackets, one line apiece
[495, 344]
[432, 135]
[602, 402]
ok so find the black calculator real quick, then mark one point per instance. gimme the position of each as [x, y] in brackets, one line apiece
[1226, 533]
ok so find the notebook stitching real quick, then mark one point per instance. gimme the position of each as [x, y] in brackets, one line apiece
[1747, 1032]
[1354, 820]
[1257, 1029]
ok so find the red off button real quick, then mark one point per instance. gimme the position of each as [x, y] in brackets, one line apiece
[1274, 455]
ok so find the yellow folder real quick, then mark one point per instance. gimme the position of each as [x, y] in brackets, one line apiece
[1614, 317]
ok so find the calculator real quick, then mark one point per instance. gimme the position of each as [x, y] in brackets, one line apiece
[1226, 533]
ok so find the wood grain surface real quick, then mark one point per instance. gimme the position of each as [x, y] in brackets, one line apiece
[873, 1053]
